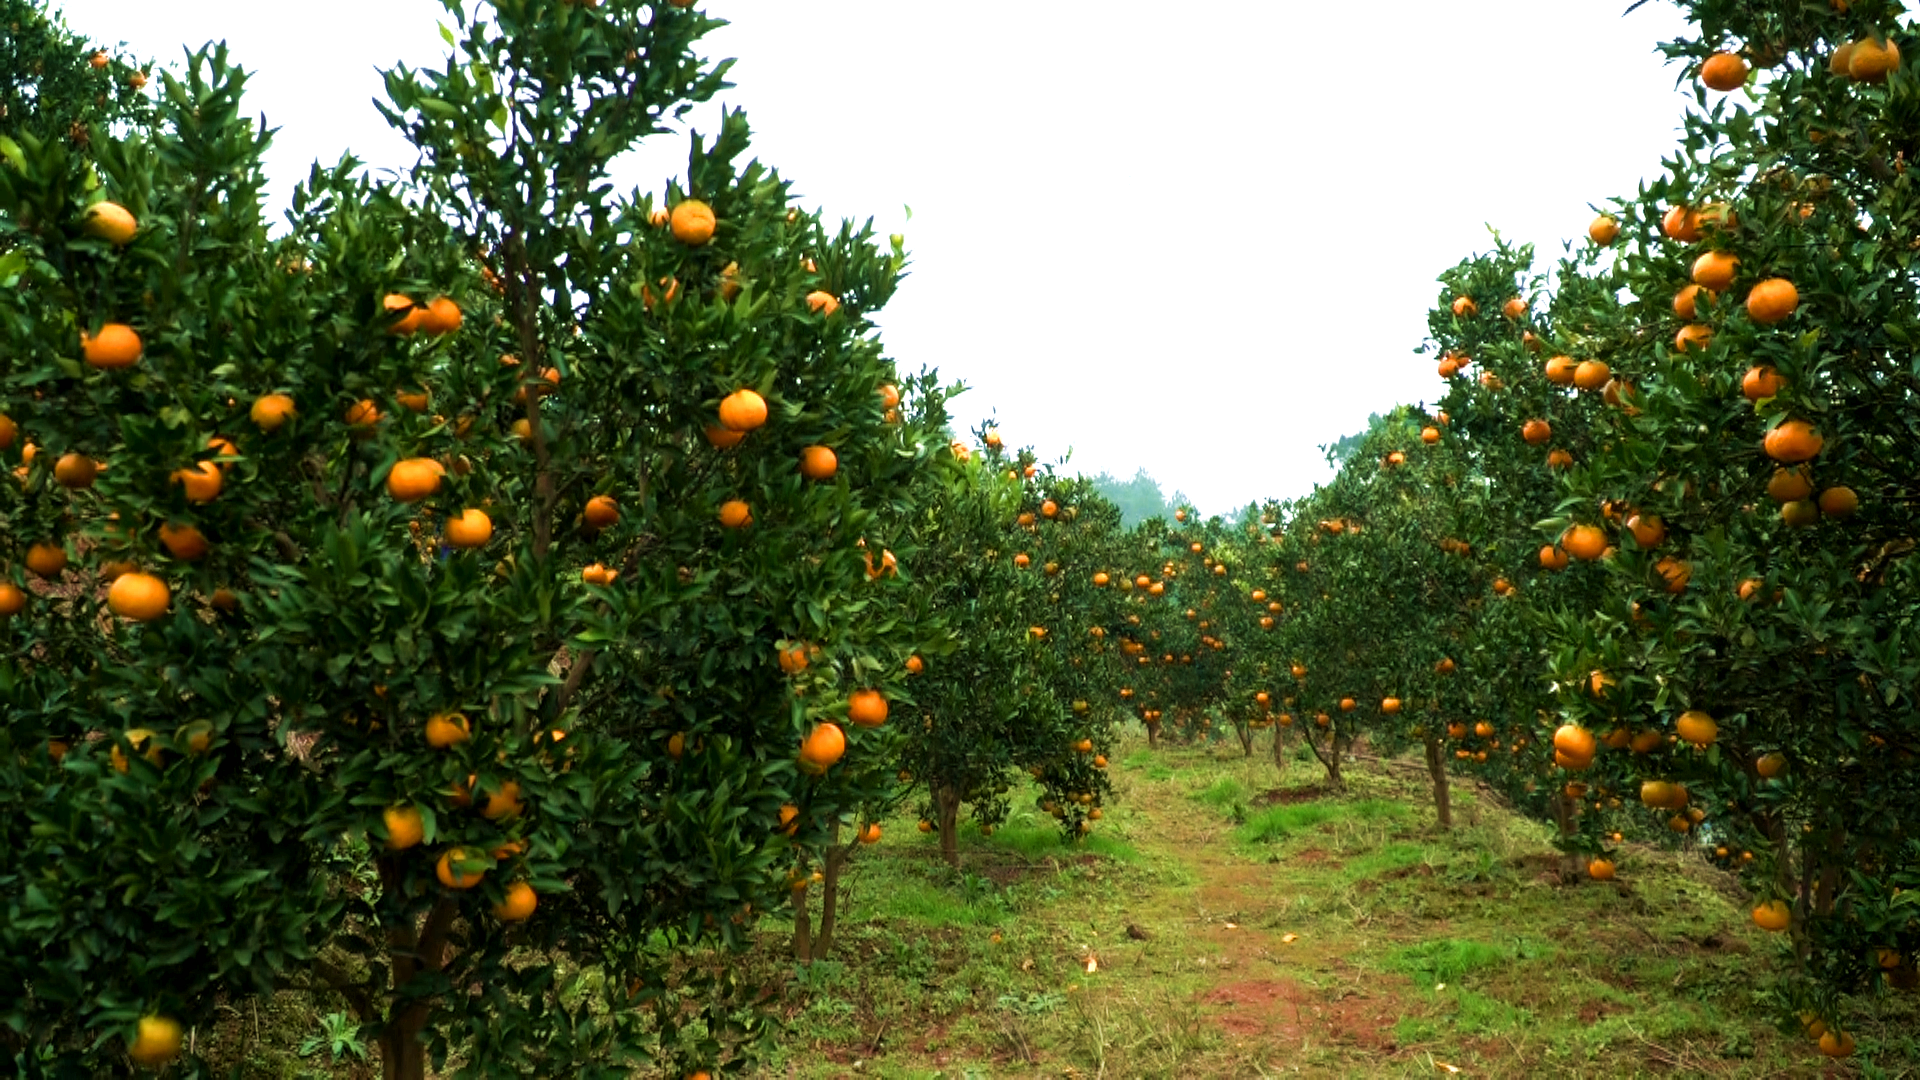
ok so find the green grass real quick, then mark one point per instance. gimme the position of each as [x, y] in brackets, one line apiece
[1222, 793]
[1448, 960]
[1282, 822]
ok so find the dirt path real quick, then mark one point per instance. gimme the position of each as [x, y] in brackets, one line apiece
[1239, 931]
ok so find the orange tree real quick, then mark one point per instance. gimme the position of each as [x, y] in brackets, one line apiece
[1740, 523]
[1009, 555]
[55, 87]
[446, 593]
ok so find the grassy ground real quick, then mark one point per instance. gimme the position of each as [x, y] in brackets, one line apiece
[1242, 923]
[1245, 924]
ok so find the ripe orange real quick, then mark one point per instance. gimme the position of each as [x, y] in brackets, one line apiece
[824, 746]
[1695, 336]
[692, 222]
[447, 729]
[1603, 230]
[1839, 502]
[472, 529]
[46, 559]
[411, 319]
[735, 514]
[157, 1038]
[1463, 306]
[1552, 558]
[110, 222]
[442, 316]
[1584, 542]
[743, 410]
[184, 542]
[201, 480]
[405, 827]
[818, 463]
[1429, 435]
[1681, 223]
[1697, 727]
[870, 834]
[75, 471]
[1515, 308]
[139, 597]
[1793, 441]
[824, 303]
[1724, 71]
[1346, 704]
[866, 708]
[1790, 485]
[1835, 1043]
[1686, 302]
[1560, 370]
[452, 879]
[1600, 870]
[1592, 374]
[115, 346]
[13, 599]
[1714, 270]
[1772, 300]
[270, 411]
[503, 802]
[518, 904]
[1772, 915]
[596, 574]
[363, 414]
[793, 660]
[1675, 572]
[1871, 60]
[1761, 382]
[1647, 529]
[915, 665]
[1536, 432]
[1559, 459]
[1390, 706]
[601, 512]
[413, 479]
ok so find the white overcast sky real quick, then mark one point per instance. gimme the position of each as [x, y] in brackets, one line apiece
[1199, 239]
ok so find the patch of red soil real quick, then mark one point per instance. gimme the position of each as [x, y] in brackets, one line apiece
[1313, 856]
[1265, 1008]
[1285, 1010]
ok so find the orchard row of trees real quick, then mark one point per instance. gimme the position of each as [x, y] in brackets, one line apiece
[1647, 567]
[481, 600]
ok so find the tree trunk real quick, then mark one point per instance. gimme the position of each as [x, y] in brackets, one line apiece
[1829, 886]
[1279, 747]
[1563, 816]
[1442, 795]
[830, 893]
[946, 805]
[403, 1054]
[802, 924]
[1330, 760]
[1245, 732]
[1153, 735]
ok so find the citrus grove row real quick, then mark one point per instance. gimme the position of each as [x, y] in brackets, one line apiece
[482, 600]
[1647, 566]
[485, 599]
